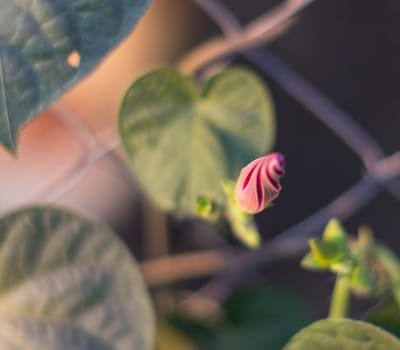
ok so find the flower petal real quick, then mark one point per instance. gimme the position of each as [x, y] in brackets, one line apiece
[259, 183]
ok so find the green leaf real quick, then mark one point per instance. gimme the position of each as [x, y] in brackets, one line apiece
[342, 334]
[365, 240]
[242, 224]
[257, 319]
[386, 315]
[335, 233]
[207, 209]
[245, 229]
[182, 142]
[389, 261]
[67, 282]
[39, 38]
[330, 251]
[362, 281]
[326, 253]
[310, 262]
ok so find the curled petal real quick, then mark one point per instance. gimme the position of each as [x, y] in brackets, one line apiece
[259, 183]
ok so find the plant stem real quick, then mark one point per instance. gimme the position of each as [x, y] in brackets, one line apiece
[340, 298]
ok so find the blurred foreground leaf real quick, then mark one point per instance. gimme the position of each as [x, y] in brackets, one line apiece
[182, 141]
[68, 283]
[342, 334]
[47, 45]
[257, 319]
[386, 315]
[169, 338]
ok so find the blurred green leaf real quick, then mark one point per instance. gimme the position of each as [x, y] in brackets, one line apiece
[330, 251]
[326, 253]
[310, 262]
[362, 281]
[388, 260]
[182, 142]
[169, 338]
[385, 265]
[207, 209]
[365, 239]
[386, 315]
[39, 41]
[242, 224]
[342, 334]
[256, 319]
[67, 282]
[334, 232]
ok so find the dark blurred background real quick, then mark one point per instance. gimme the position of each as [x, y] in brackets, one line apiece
[349, 50]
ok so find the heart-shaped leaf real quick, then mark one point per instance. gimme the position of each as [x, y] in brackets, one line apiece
[343, 334]
[182, 141]
[68, 283]
[47, 45]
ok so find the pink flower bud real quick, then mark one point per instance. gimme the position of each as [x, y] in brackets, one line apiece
[258, 184]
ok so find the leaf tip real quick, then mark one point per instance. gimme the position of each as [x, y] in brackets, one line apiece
[10, 145]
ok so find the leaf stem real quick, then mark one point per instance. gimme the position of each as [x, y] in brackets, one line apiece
[340, 298]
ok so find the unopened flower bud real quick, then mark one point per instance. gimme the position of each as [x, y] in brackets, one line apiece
[258, 184]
